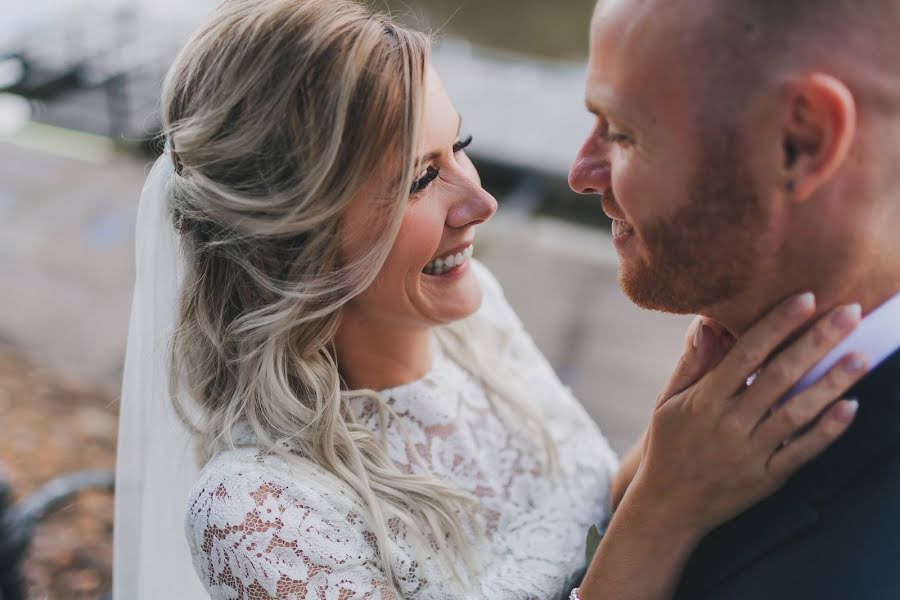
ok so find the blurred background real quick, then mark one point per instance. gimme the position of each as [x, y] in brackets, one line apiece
[79, 87]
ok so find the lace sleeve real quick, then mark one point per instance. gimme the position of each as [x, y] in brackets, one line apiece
[257, 534]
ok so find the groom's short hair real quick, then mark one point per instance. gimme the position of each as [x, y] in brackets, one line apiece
[747, 41]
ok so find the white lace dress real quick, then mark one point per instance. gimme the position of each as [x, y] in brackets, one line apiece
[261, 529]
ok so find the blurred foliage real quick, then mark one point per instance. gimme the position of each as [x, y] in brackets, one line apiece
[551, 29]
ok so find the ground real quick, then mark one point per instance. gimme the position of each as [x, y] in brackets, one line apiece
[52, 427]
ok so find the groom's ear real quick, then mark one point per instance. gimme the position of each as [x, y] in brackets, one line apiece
[819, 127]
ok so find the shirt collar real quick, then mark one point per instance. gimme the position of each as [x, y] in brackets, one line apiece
[876, 338]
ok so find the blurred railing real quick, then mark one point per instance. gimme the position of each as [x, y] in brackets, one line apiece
[89, 65]
[19, 522]
[102, 71]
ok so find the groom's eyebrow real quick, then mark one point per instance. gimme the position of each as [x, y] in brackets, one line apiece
[435, 153]
[601, 110]
[608, 106]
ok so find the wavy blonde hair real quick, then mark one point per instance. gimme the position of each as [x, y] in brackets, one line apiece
[279, 113]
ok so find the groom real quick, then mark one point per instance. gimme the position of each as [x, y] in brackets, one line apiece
[748, 150]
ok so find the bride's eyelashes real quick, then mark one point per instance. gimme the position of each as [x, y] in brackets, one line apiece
[432, 173]
[462, 145]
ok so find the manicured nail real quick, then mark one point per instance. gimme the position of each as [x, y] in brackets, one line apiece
[698, 336]
[847, 410]
[855, 364]
[803, 304]
[847, 317]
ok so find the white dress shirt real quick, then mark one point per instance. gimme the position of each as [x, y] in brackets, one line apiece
[877, 337]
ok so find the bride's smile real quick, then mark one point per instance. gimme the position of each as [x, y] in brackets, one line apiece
[426, 279]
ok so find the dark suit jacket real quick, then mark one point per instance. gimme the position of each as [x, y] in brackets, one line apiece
[833, 532]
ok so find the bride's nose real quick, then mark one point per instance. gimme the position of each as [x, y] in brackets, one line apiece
[473, 207]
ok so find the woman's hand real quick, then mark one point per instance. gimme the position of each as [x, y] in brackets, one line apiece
[720, 445]
[705, 344]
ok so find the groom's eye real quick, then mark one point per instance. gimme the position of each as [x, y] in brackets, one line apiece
[609, 135]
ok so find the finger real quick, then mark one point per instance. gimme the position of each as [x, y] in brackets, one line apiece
[798, 413]
[717, 328]
[689, 367]
[724, 337]
[691, 336]
[783, 372]
[702, 352]
[724, 343]
[786, 461]
[752, 349]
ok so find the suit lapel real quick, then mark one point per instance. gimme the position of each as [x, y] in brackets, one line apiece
[741, 541]
[875, 432]
[737, 544]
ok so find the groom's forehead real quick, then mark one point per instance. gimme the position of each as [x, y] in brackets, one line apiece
[629, 37]
[642, 13]
[634, 24]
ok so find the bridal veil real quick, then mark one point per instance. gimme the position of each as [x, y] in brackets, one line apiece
[155, 464]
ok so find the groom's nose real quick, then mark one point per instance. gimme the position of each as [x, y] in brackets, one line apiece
[590, 173]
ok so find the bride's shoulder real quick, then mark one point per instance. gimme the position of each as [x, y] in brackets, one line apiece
[239, 481]
[254, 521]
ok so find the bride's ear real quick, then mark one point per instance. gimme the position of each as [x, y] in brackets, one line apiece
[819, 126]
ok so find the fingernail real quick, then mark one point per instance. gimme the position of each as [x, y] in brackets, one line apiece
[698, 336]
[847, 410]
[855, 364]
[803, 304]
[847, 317]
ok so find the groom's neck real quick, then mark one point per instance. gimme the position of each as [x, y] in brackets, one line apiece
[869, 285]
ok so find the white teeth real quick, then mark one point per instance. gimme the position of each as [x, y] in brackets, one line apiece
[621, 228]
[442, 265]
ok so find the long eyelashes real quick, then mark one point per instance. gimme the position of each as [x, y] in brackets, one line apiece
[462, 145]
[432, 173]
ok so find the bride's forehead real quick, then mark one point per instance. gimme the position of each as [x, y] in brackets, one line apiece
[440, 119]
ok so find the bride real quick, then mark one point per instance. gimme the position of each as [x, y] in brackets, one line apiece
[370, 416]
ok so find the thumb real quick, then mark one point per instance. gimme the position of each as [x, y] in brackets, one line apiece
[706, 343]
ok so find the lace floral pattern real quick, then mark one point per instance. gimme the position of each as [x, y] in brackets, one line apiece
[261, 529]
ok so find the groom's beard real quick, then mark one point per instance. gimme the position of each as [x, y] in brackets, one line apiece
[706, 253]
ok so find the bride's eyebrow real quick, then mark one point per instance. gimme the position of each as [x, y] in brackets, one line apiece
[435, 153]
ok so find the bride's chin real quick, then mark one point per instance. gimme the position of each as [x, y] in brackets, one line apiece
[446, 309]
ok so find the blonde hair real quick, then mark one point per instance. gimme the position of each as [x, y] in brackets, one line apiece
[279, 112]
